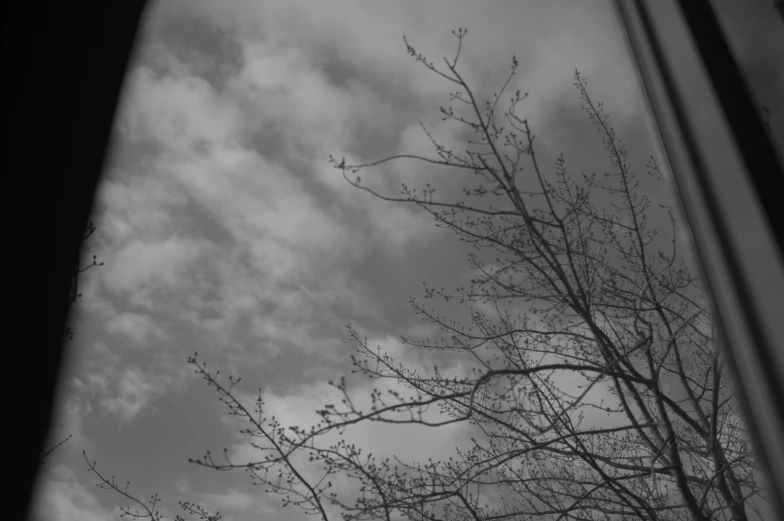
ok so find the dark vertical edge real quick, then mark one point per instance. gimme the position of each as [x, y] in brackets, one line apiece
[762, 164]
[749, 135]
[64, 67]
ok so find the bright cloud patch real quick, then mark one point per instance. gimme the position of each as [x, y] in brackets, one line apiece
[132, 393]
[139, 327]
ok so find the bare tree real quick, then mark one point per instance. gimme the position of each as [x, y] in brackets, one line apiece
[580, 288]
[50, 450]
[778, 5]
[141, 509]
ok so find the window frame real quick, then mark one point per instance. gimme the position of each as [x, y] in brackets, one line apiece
[724, 173]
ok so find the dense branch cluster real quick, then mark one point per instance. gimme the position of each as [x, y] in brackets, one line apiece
[603, 303]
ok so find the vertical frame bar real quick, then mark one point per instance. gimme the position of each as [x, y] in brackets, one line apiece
[724, 171]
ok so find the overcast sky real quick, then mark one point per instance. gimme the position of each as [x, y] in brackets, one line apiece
[225, 231]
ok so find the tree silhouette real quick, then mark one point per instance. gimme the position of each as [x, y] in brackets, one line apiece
[146, 509]
[581, 289]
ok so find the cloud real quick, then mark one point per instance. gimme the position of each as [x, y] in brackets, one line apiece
[138, 327]
[69, 420]
[192, 111]
[551, 39]
[279, 87]
[264, 207]
[133, 203]
[160, 264]
[133, 392]
[231, 500]
[283, 232]
[284, 237]
[63, 498]
[296, 90]
[304, 75]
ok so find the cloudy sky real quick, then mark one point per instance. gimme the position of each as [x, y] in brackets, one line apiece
[225, 231]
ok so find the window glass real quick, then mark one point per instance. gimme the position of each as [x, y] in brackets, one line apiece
[282, 169]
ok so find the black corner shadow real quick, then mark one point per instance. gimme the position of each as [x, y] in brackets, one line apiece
[64, 65]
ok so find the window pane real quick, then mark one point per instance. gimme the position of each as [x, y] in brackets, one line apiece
[578, 370]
